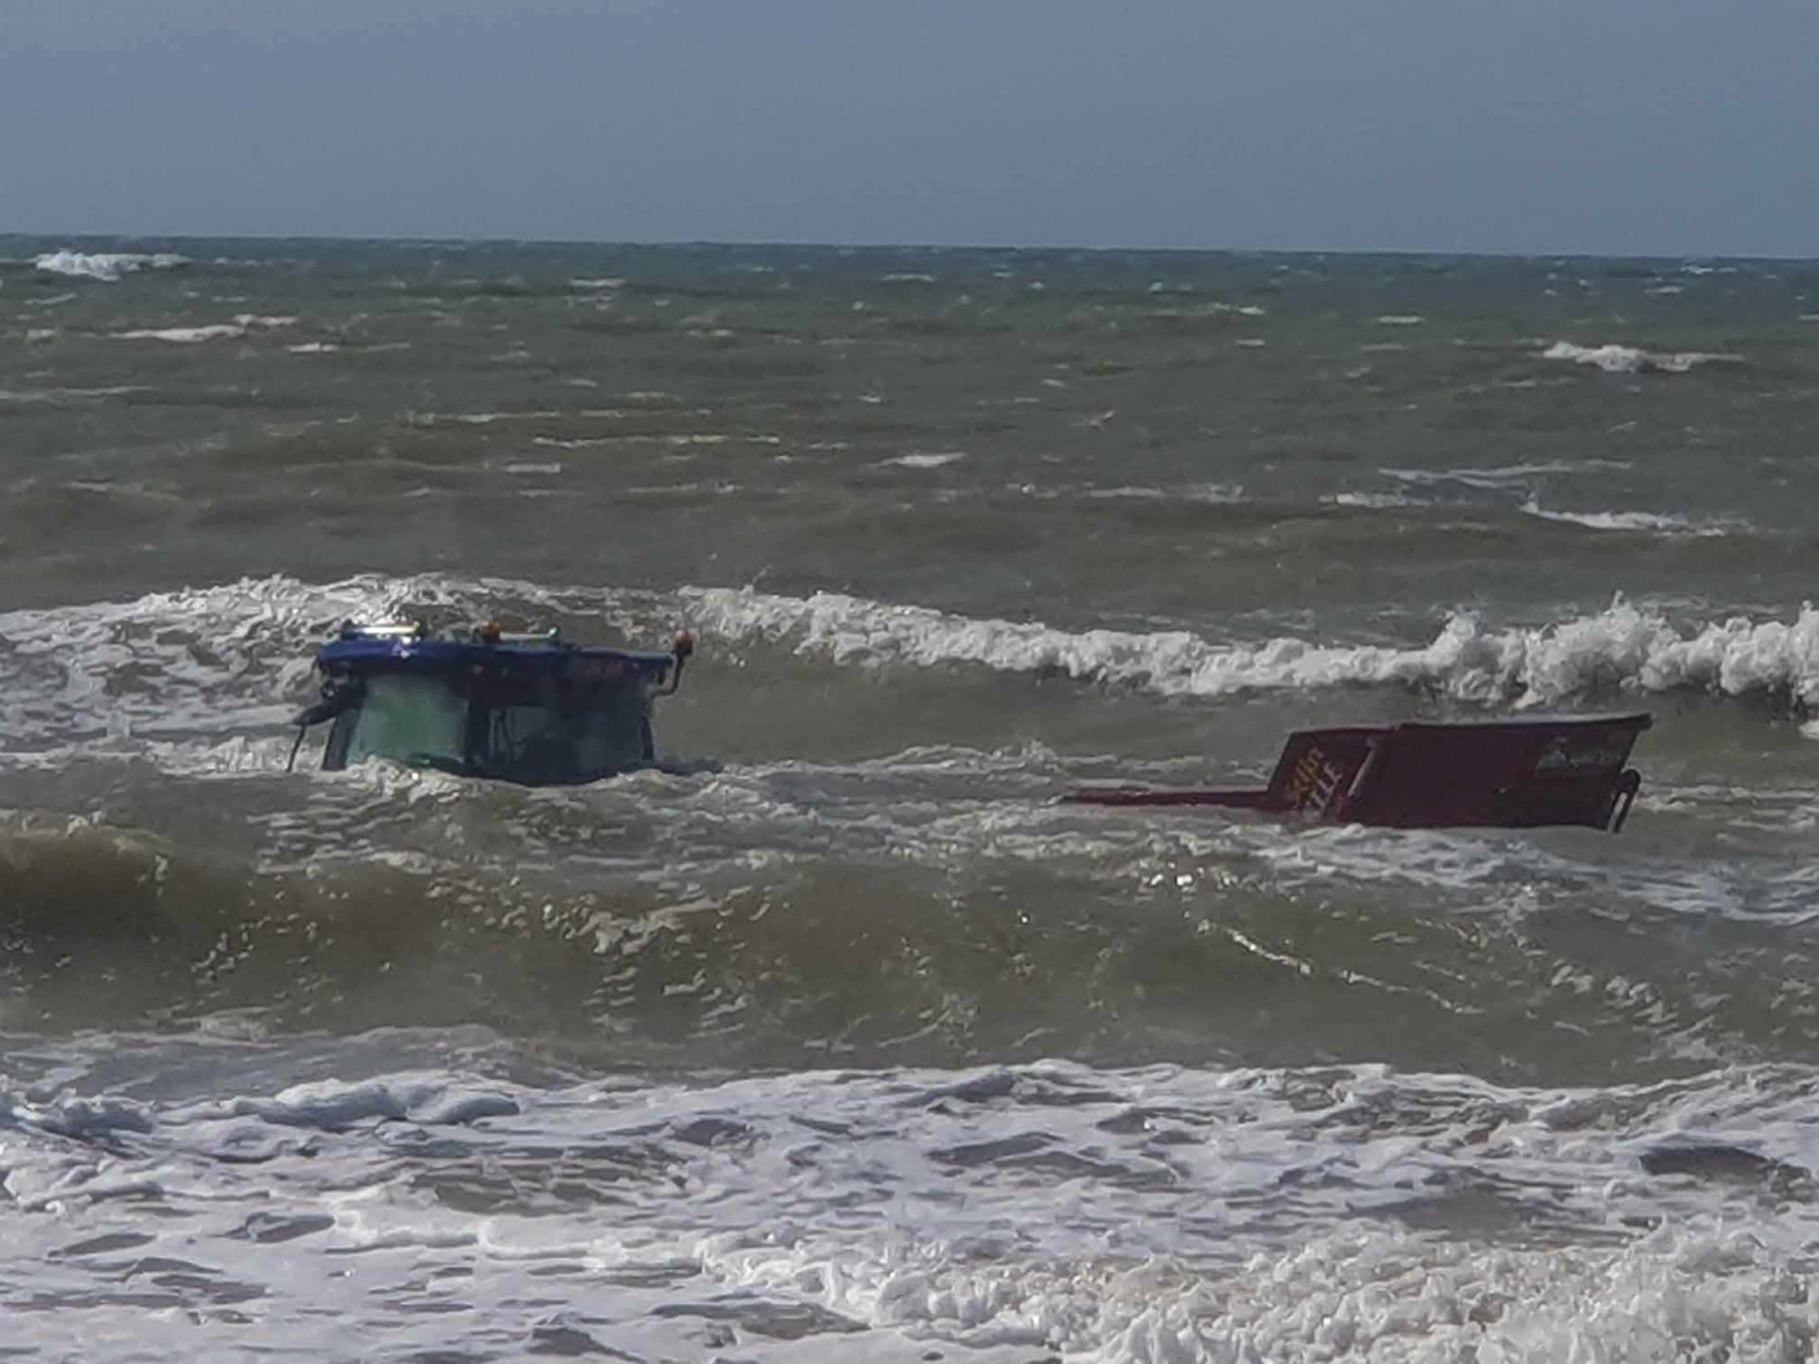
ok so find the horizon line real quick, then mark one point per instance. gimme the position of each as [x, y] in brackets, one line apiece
[829, 245]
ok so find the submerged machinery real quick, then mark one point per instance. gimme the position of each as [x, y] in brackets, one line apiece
[528, 708]
[538, 710]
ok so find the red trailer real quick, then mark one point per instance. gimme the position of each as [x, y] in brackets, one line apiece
[1514, 773]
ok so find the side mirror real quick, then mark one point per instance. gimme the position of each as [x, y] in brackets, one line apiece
[682, 648]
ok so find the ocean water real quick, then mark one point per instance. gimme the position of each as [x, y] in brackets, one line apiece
[861, 1047]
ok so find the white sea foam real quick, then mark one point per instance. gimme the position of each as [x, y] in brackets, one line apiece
[1359, 1292]
[105, 267]
[184, 335]
[1207, 494]
[242, 325]
[63, 659]
[1378, 501]
[1400, 320]
[1503, 475]
[1625, 647]
[1656, 522]
[1161, 1215]
[425, 1099]
[1616, 359]
[933, 459]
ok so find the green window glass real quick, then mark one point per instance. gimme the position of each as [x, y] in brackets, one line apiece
[415, 720]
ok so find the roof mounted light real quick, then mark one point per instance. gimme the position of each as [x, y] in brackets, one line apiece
[387, 630]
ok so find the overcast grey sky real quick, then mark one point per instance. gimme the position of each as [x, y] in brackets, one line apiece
[1610, 126]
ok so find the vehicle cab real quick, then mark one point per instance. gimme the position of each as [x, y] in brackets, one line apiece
[531, 709]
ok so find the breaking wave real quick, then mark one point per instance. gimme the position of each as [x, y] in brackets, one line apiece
[1625, 647]
[1615, 359]
[233, 659]
[105, 267]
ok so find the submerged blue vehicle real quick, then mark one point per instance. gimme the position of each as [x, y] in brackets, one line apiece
[531, 709]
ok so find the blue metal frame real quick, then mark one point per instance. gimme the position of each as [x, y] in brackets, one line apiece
[360, 652]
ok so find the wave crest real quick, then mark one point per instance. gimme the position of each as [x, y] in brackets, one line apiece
[233, 659]
[1615, 359]
[1624, 647]
[104, 267]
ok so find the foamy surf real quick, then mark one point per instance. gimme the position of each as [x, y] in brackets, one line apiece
[1189, 1216]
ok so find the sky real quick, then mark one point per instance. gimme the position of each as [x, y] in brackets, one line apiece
[1526, 126]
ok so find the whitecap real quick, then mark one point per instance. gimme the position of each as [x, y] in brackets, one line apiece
[1210, 494]
[184, 335]
[104, 267]
[926, 460]
[1658, 522]
[1501, 475]
[1616, 359]
[1375, 501]
[1624, 647]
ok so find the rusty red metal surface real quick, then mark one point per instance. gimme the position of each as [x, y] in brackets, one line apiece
[1516, 773]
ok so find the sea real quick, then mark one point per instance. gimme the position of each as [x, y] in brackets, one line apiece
[853, 1043]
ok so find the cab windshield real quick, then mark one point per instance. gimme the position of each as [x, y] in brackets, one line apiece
[544, 733]
[575, 735]
[420, 721]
